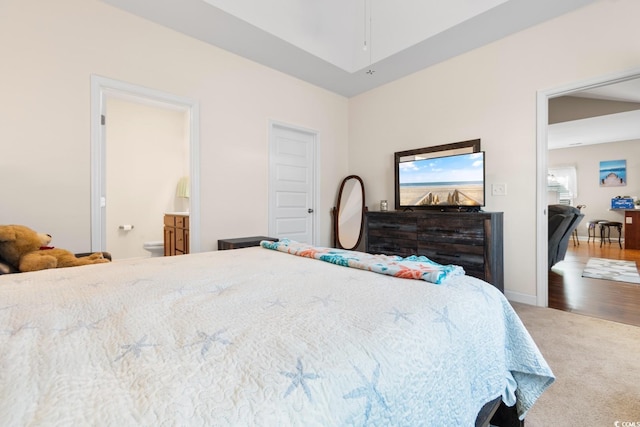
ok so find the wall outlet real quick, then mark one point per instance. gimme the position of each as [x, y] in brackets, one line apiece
[499, 189]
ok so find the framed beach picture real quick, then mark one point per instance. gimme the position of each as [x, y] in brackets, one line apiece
[613, 173]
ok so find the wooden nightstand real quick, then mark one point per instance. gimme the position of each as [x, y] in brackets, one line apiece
[242, 242]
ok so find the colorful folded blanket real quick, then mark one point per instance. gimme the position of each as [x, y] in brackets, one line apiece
[413, 267]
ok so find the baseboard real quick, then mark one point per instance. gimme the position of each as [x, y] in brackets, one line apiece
[520, 298]
[597, 239]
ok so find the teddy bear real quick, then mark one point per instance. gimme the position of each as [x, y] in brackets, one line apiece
[26, 250]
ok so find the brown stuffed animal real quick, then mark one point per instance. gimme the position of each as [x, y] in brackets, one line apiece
[27, 250]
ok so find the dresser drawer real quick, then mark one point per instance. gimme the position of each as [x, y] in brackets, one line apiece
[469, 232]
[449, 247]
[390, 226]
[388, 234]
[473, 262]
[402, 247]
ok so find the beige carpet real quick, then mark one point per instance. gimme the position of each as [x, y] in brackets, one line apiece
[597, 368]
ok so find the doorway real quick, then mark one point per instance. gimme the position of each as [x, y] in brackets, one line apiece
[542, 283]
[146, 156]
[293, 191]
[103, 89]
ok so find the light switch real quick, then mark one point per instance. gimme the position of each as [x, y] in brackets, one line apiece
[499, 189]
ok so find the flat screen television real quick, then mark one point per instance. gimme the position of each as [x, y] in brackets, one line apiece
[447, 182]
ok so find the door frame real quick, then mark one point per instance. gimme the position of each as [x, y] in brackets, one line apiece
[101, 88]
[315, 197]
[542, 123]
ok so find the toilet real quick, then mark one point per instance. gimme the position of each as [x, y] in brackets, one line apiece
[156, 247]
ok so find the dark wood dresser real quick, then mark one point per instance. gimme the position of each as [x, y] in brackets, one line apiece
[472, 240]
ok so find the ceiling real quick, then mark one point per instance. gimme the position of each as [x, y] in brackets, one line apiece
[600, 129]
[626, 91]
[595, 130]
[348, 47]
[351, 46]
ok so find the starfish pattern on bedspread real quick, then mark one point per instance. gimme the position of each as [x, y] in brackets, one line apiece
[18, 278]
[299, 378]
[325, 301]
[443, 317]
[138, 281]
[135, 348]
[182, 290]
[219, 290]
[208, 340]
[369, 390]
[94, 284]
[13, 332]
[477, 288]
[276, 303]
[334, 346]
[400, 315]
[81, 324]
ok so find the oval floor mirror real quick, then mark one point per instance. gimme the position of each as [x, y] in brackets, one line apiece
[348, 215]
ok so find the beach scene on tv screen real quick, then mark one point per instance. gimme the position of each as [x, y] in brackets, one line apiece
[441, 181]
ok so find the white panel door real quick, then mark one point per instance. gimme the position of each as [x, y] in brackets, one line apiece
[292, 183]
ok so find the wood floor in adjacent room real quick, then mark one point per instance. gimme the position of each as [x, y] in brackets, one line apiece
[569, 291]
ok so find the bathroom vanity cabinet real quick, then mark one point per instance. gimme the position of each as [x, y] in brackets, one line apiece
[176, 234]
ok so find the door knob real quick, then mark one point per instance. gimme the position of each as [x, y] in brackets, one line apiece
[310, 210]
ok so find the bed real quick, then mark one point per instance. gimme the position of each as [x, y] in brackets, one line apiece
[258, 337]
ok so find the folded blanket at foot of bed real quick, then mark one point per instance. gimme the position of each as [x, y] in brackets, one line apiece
[413, 267]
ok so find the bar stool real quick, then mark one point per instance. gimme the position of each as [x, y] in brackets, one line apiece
[591, 229]
[574, 233]
[608, 225]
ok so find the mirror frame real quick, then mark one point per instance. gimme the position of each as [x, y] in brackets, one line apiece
[469, 146]
[336, 214]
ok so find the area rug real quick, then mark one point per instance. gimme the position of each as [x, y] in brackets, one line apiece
[612, 269]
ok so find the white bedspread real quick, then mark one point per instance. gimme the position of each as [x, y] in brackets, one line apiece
[255, 337]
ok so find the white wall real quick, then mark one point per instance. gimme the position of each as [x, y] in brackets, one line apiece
[49, 50]
[490, 93]
[587, 162]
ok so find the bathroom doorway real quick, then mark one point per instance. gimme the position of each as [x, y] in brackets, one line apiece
[143, 143]
[147, 153]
